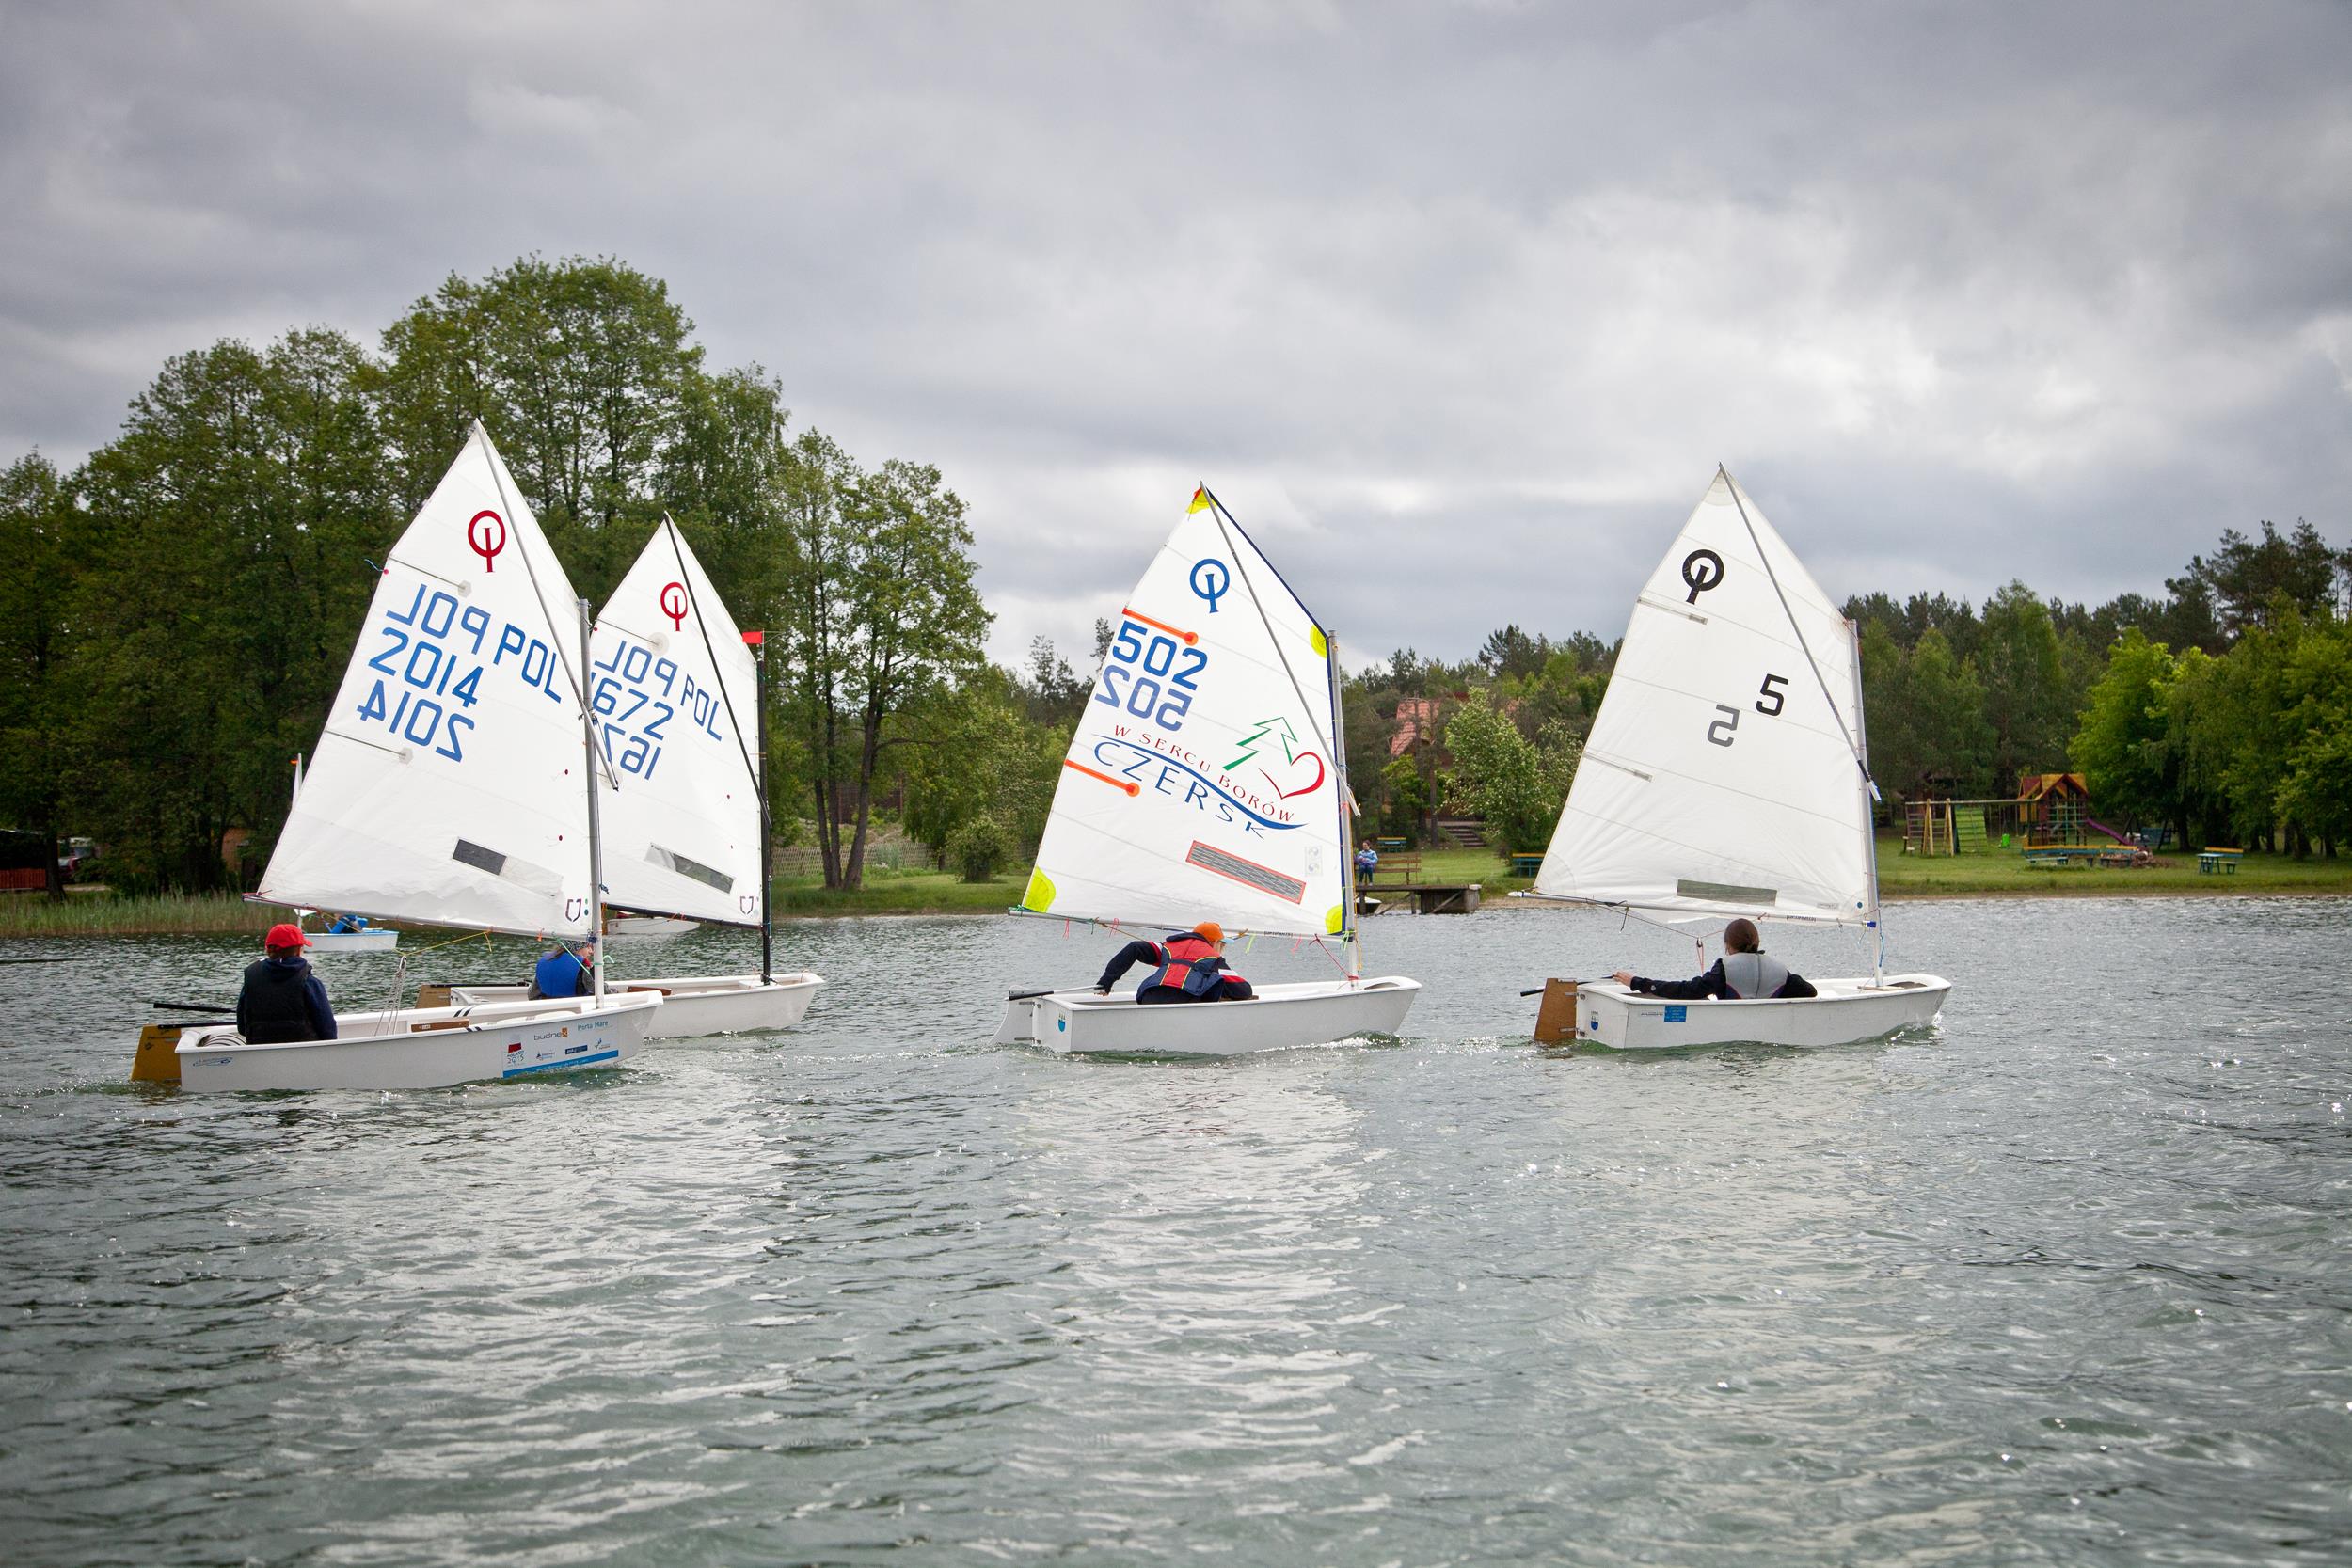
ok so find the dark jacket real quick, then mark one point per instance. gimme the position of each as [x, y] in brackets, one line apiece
[1211, 980]
[281, 1001]
[1713, 984]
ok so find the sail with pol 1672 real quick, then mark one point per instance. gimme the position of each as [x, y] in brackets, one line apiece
[1208, 780]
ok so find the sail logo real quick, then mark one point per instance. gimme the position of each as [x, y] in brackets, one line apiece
[674, 604]
[1295, 759]
[483, 541]
[1133, 765]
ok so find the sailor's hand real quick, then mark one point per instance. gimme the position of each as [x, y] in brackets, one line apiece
[1102, 991]
[1623, 976]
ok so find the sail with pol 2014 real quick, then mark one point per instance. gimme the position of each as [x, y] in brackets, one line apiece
[1205, 780]
[448, 785]
[1725, 773]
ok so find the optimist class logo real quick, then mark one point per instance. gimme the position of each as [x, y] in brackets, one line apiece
[483, 541]
[674, 604]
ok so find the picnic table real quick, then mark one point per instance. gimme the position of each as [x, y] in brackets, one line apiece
[1526, 865]
[2213, 858]
[1387, 845]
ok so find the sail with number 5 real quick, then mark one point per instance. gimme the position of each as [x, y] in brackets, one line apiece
[1728, 776]
[448, 785]
[1207, 780]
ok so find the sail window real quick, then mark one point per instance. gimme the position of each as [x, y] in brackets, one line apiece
[1263, 878]
[538, 878]
[1726, 892]
[670, 860]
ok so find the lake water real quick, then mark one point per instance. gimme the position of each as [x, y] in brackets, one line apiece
[2064, 1280]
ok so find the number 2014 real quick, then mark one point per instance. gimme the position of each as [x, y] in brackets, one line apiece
[1141, 667]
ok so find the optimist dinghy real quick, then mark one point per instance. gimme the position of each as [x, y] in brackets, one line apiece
[1208, 780]
[368, 940]
[1727, 774]
[451, 786]
[680, 701]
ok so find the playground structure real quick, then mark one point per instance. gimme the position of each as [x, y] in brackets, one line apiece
[2050, 810]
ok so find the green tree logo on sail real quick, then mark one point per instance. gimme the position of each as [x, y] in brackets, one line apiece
[1294, 758]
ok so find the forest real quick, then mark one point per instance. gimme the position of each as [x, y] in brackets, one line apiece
[175, 614]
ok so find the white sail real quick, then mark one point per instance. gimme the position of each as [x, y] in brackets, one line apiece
[1723, 775]
[673, 687]
[448, 784]
[1201, 782]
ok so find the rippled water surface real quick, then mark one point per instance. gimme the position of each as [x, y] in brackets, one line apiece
[2063, 1280]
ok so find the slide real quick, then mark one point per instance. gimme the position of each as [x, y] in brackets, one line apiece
[2110, 833]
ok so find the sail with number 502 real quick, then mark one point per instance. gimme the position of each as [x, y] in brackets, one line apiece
[1728, 775]
[1207, 780]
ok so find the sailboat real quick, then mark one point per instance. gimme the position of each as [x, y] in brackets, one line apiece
[1208, 780]
[678, 697]
[1727, 774]
[451, 786]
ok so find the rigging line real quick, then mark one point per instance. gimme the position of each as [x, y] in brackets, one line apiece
[1306, 708]
[539, 594]
[677, 551]
[1774, 577]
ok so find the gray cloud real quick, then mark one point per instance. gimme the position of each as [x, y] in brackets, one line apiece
[1457, 306]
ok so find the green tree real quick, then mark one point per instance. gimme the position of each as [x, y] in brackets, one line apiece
[2027, 700]
[36, 513]
[2121, 747]
[1516, 784]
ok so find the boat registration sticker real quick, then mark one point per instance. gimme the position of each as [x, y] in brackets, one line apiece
[1677, 1014]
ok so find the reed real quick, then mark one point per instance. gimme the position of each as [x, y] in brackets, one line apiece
[103, 915]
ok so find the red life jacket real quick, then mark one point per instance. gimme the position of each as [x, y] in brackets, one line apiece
[1186, 965]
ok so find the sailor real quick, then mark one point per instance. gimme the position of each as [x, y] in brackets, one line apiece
[281, 1000]
[347, 924]
[1745, 973]
[1187, 966]
[563, 972]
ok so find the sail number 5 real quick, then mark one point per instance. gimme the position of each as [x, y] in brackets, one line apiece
[1145, 679]
[1773, 690]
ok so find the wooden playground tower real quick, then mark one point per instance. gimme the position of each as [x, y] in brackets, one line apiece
[2047, 809]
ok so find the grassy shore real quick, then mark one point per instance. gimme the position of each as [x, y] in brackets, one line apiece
[888, 892]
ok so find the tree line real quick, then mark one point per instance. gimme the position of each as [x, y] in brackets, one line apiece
[176, 612]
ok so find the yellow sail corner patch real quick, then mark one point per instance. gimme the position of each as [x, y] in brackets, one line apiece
[1040, 894]
[1336, 921]
[1322, 643]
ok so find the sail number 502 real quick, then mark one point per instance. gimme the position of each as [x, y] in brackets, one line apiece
[1771, 692]
[1134, 673]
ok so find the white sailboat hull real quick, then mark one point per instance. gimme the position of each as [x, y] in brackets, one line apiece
[1279, 1016]
[648, 926]
[354, 942]
[698, 1005]
[1845, 1012]
[426, 1048]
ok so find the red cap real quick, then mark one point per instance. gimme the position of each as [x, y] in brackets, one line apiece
[281, 937]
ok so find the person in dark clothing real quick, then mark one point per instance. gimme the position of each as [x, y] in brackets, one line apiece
[1743, 974]
[1186, 966]
[563, 972]
[281, 1000]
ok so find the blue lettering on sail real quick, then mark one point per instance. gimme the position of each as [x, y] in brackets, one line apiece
[1177, 777]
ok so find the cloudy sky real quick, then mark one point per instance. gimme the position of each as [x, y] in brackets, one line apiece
[1456, 306]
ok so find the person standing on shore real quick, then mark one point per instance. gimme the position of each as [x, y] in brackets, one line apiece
[281, 1001]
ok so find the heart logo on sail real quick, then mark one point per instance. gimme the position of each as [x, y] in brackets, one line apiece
[1294, 773]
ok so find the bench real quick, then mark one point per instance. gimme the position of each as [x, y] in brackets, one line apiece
[1526, 865]
[1404, 869]
[1388, 846]
[2213, 859]
[2056, 858]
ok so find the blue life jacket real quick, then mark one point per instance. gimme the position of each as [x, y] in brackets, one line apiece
[560, 973]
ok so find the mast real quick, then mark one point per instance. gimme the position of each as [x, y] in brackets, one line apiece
[758, 641]
[595, 828]
[1869, 791]
[1347, 797]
